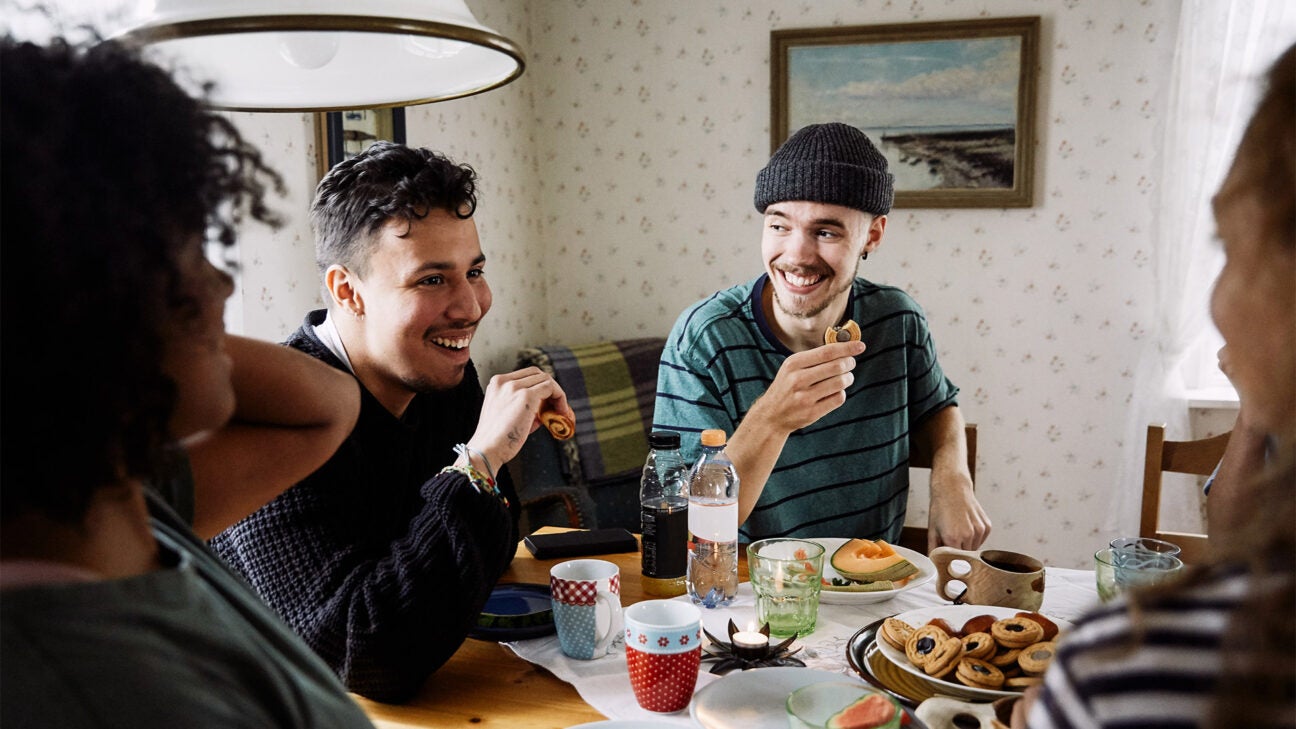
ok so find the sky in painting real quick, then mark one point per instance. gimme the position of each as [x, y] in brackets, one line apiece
[908, 84]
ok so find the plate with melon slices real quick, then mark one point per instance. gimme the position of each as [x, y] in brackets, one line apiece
[862, 571]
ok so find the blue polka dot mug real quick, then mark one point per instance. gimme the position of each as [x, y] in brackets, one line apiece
[586, 597]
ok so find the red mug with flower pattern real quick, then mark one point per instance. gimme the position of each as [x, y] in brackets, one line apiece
[663, 642]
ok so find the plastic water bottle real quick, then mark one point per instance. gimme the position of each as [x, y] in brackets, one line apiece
[713, 525]
[663, 516]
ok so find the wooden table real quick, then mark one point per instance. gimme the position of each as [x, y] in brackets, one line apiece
[485, 685]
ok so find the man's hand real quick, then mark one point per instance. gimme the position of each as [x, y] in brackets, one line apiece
[955, 518]
[808, 386]
[510, 412]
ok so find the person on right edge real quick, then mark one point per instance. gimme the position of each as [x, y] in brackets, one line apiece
[820, 432]
[1218, 647]
[1246, 454]
[383, 558]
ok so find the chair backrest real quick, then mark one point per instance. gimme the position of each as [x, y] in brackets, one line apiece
[1193, 457]
[920, 456]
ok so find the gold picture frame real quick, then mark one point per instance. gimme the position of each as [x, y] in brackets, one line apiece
[951, 104]
[340, 135]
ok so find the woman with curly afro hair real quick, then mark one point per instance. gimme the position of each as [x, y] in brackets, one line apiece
[130, 418]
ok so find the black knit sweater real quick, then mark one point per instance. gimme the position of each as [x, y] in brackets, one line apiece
[380, 562]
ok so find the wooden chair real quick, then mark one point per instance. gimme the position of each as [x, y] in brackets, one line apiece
[1194, 457]
[920, 456]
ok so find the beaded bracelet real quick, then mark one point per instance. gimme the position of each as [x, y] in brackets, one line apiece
[481, 483]
[462, 449]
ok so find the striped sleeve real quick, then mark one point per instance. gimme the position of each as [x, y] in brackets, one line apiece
[1156, 667]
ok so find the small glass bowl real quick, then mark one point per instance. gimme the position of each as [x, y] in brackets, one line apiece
[810, 707]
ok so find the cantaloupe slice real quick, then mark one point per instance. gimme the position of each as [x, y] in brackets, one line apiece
[864, 560]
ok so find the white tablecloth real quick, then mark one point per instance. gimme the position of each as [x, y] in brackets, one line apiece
[605, 684]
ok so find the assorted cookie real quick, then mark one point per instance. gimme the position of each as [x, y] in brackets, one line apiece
[848, 332]
[1035, 658]
[979, 645]
[979, 674]
[896, 632]
[922, 643]
[560, 426]
[988, 652]
[1017, 632]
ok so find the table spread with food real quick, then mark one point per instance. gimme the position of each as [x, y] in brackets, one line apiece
[513, 672]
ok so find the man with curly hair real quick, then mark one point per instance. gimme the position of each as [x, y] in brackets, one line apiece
[129, 414]
[383, 558]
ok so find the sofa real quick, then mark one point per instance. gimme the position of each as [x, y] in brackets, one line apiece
[592, 479]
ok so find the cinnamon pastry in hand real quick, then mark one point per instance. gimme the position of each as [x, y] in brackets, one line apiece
[848, 332]
[560, 426]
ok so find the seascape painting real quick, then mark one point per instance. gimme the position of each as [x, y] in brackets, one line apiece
[951, 114]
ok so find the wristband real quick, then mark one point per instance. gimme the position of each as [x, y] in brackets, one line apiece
[462, 449]
[481, 483]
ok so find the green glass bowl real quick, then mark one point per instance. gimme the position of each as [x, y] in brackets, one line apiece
[813, 706]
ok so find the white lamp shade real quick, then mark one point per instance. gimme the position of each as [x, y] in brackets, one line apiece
[325, 55]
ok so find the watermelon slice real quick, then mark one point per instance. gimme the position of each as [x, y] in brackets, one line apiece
[871, 712]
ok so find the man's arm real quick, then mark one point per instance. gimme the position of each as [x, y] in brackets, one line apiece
[808, 386]
[955, 518]
[1229, 503]
[292, 413]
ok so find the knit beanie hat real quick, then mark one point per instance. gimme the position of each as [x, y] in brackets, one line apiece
[827, 163]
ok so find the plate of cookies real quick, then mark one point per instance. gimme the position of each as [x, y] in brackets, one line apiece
[977, 651]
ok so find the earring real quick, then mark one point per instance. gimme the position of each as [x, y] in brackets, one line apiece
[864, 256]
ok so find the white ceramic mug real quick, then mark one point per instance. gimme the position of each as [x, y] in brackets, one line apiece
[586, 597]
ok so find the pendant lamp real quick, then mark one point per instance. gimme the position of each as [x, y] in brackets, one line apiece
[327, 55]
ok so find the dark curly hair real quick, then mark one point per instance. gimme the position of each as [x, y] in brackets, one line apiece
[386, 181]
[110, 171]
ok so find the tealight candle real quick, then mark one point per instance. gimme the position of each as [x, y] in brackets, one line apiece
[750, 645]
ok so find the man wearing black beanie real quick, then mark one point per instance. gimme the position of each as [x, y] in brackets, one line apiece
[819, 425]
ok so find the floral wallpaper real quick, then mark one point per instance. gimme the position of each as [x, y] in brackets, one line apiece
[618, 177]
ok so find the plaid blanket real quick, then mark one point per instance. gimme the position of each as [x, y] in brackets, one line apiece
[611, 387]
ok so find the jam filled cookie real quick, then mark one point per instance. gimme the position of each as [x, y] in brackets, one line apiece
[1016, 632]
[1005, 658]
[848, 332]
[1023, 682]
[979, 645]
[560, 426]
[1050, 627]
[979, 674]
[1036, 657]
[896, 632]
[922, 642]
[944, 657]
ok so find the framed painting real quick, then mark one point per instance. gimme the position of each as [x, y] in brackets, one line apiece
[950, 104]
[342, 135]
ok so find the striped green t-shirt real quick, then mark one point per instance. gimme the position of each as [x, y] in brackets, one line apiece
[846, 475]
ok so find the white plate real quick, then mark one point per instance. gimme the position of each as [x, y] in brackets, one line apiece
[840, 596]
[956, 616]
[755, 699]
[624, 724]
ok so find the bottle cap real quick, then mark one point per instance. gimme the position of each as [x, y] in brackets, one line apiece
[713, 438]
[664, 439]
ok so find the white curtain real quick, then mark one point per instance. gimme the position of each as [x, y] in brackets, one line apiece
[1224, 47]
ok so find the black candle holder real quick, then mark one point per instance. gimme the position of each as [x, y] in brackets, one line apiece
[731, 657]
